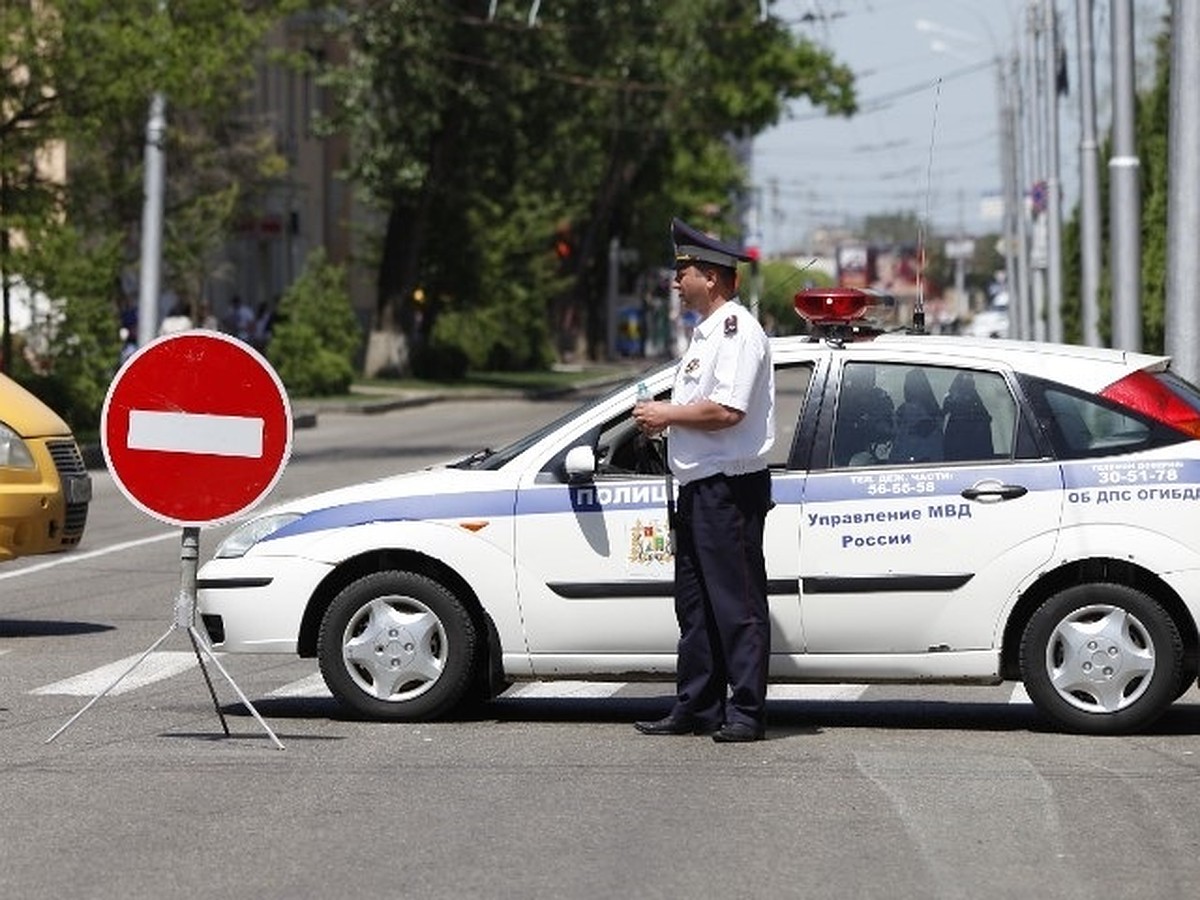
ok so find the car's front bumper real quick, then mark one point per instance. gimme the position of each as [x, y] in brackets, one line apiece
[256, 604]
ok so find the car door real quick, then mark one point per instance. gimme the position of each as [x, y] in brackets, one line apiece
[595, 569]
[936, 504]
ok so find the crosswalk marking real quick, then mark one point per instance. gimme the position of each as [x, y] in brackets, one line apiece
[1019, 694]
[565, 689]
[161, 665]
[815, 691]
[155, 667]
[312, 686]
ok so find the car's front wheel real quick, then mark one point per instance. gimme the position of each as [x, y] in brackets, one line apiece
[398, 646]
[1101, 658]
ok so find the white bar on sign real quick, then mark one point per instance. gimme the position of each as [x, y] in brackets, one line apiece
[195, 433]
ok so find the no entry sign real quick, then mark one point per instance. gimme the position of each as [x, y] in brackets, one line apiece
[196, 428]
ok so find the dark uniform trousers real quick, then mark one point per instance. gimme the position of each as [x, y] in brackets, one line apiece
[721, 599]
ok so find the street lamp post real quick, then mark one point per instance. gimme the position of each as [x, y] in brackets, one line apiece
[1089, 178]
[1125, 202]
[1053, 193]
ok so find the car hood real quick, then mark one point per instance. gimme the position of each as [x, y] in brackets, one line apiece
[437, 493]
[26, 414]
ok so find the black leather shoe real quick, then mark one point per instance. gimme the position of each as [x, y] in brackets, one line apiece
[674, 725]
[737, 733]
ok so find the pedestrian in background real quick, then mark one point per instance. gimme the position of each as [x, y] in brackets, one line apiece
[240, 321]
[264, 324]
[206, 318]
[176, 320]
[721, 421]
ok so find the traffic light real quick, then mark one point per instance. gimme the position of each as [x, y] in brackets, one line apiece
[564, 244]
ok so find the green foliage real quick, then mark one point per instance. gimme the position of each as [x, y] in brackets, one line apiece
[504, 328]
[79, 74]
[72, 373]
[316, 334]
[1153, 118]
[780, 283]
[606, 118]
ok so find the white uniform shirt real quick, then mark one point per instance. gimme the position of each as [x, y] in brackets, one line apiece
[728, 362]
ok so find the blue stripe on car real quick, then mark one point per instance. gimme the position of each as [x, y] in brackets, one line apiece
[787, 489]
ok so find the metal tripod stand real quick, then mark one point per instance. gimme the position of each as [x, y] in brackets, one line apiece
[185, 620]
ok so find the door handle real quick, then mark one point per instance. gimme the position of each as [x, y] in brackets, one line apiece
[994, 491]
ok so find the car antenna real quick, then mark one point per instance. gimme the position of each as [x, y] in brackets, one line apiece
[918, 316]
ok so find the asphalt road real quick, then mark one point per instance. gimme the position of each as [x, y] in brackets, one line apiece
[863, 792]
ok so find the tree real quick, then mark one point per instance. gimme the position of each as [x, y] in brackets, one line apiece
[28, 192]
[316, 336]
[603, 118]
[79, 74]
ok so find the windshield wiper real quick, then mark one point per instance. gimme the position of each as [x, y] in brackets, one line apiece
[474, 459]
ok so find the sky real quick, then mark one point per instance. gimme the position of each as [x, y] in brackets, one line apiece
[927, 138]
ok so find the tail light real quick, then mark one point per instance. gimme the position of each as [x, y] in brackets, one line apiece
[1142, 392]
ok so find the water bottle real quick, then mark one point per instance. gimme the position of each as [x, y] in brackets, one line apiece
[643, 392]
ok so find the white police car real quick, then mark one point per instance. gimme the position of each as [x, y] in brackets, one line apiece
[947, 510]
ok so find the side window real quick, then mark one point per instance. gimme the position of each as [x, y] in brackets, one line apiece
[894, 413]
[791, 392]
[622, 449]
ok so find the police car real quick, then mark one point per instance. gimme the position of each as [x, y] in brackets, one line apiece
[947, 510]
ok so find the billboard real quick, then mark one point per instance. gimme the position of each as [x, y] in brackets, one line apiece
[855, 265]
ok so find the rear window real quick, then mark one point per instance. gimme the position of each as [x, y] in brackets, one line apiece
[1080, 425]
[1184, 390]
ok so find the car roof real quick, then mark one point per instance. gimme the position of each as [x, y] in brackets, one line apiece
[1087, 368]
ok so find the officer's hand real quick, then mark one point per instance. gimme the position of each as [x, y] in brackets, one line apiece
[651, 416]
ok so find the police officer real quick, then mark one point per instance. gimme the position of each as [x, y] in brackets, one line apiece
[722, 426]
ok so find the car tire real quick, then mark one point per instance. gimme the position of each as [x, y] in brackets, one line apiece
[397, 646]
[1101, 659]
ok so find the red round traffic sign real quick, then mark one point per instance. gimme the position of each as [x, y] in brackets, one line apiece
[196, 428]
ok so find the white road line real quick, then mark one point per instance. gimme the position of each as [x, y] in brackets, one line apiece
[544, 690]
[312, 686]
[195, 433]
[1019, 694]
[815, 691]
[62, 560]
[155, 667]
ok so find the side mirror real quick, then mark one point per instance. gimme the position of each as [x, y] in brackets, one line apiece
[580, 464]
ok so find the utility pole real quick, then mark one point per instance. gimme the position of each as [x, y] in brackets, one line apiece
[1024, 308]
[1053, 193]
[154, 179]
[1089, 176]
[1011, 196]
[1125, 203]
[149, 286]
[1039, 252]
[1183, 205]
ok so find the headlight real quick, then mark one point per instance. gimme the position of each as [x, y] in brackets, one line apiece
[250, 533]
[13, 452]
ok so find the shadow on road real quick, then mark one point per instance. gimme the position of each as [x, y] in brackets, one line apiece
[23, 628]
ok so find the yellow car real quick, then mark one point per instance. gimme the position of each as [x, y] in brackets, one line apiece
[44, 487]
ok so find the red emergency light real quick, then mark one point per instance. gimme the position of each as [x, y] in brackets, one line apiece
[832, 305]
